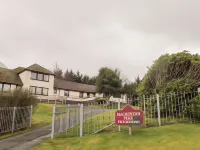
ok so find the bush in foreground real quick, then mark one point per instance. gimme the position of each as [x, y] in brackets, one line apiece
[17, 97]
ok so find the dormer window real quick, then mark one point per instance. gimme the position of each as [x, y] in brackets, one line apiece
[39, 76]
[33, 75]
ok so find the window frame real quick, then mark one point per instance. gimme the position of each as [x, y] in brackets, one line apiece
[88, 95]
[35, 77]
[34, 89]
[67, 93]
[41, 91]
[81, 94]
[38, 88]
[47, 78]
[55, 91]
[43, 74]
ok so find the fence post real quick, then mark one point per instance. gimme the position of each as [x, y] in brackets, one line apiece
[68, 117]
[81, 120]
[144, 111]
[53, 121]
[119, 129]
[158, 109]
[31, 111]
[13, 119]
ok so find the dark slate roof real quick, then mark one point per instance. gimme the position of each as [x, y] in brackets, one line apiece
[73, 86]
[9, 76]
[18, 69]
[38, 68]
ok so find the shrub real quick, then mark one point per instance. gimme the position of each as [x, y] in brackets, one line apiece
[18, 97]
[194, 108]
[101, 100]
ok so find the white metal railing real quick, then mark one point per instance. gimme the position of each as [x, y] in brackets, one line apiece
[158, 110]
[62, 99]
[15, 118]
[121, 100]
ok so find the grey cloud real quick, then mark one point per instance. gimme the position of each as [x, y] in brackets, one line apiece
[86, 35]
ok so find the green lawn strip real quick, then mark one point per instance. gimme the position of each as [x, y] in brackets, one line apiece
[41, 118]
[173, 137]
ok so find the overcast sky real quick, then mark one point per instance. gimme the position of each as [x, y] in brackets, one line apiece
[88, 34]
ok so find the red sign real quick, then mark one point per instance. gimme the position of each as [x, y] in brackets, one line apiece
[129, 116]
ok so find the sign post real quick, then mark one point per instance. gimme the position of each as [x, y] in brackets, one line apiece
[129, 117]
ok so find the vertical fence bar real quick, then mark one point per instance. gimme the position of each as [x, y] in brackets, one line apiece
[81, 120]
[158, 109]
[145, 123]
[53, 122]
[68, 117]
[119, 129]
[172, 105]
[13, 119]
[31, 111]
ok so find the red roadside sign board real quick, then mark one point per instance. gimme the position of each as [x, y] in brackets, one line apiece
[129, 116]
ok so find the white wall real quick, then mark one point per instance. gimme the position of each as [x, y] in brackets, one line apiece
[98, 95]
[61, 92]
[74, 94]
[27, 81]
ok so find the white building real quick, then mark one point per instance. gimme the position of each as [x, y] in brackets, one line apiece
[43, 83]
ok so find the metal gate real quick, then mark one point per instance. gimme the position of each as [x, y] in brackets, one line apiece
[83, 119]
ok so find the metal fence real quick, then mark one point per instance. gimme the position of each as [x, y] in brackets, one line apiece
[15, 118]
[165, 109]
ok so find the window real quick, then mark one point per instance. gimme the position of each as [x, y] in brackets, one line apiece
[55, 91]
[81, 94]
[45, 91]
[6, 87]
[88, 95]
[33, 89]
[33, 75]
[39, 90]
[46, 77]
[66, 93]
[39, 76]
[1, 86]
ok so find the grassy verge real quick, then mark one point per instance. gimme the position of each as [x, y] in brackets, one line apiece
[173, 137]
[42, 117]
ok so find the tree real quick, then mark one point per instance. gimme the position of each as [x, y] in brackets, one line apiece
[86, 79]
[67, 76]
[57, 71]
[169, 73]
[108, 82]
[137, 80]
[130, 89]
[92, 80]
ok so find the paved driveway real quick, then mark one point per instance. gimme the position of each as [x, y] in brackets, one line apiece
[28, 140]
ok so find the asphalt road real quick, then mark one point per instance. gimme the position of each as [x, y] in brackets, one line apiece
[30, 139]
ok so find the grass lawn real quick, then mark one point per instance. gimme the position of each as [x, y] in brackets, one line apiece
[173, 137]
[42, 117]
